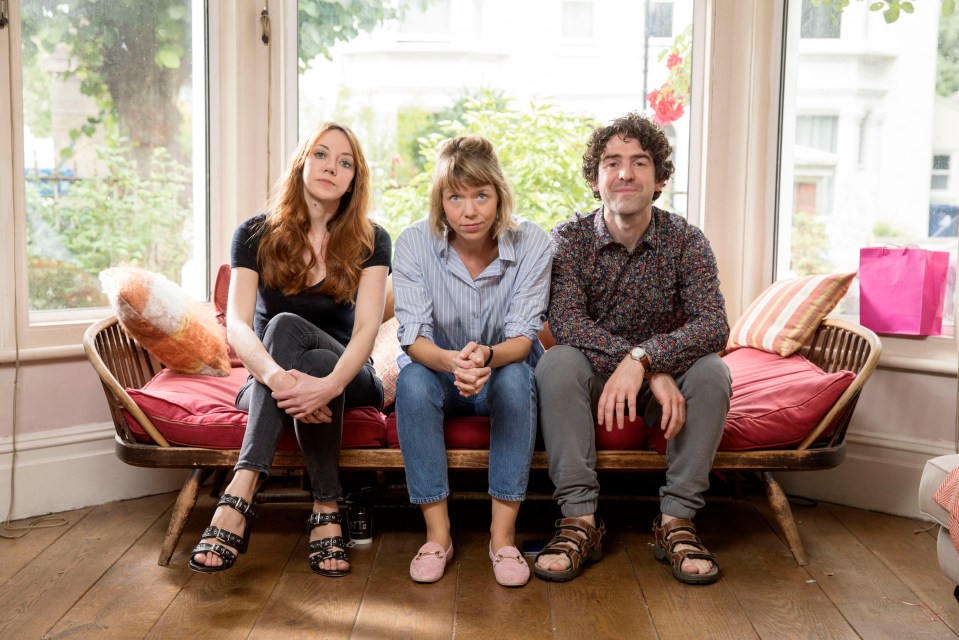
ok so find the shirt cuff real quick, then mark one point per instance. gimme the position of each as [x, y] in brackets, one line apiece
[409, 332]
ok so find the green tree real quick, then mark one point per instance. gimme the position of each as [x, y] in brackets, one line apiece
[324, 23]
[891, 10]
[131, 57]
[491, 99]
[947, 70]
[118, 217]
[809, 243]
[128, 57]
[540, 150]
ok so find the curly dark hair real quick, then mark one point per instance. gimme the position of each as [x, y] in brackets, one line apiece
[632, 126]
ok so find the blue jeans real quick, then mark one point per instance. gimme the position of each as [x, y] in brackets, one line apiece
[425, 397]
[295, 343]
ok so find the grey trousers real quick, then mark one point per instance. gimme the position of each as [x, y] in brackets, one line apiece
[569, 391]
[296, 343]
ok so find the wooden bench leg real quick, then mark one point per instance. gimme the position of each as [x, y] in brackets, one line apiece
[784, 517]
[181, 513]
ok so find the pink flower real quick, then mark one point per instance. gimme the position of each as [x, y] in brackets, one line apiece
[666, 109]
[673, 60]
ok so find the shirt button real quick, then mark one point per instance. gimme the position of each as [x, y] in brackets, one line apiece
[475, 315]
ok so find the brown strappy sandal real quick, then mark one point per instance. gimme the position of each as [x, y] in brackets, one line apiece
[576, 539]
[682, 531]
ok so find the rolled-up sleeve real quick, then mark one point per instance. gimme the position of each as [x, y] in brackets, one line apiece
[413, 303]
[526, 311]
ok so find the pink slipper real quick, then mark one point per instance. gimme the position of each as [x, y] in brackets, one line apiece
[509, 567]
[430, 562]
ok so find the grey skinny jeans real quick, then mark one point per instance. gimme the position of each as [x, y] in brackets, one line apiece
[569, 391]
[298, 344]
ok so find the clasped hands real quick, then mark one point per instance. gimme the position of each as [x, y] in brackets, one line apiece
[469, 374]
[305, 397]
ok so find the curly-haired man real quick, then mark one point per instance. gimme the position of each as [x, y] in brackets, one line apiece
[638, 317]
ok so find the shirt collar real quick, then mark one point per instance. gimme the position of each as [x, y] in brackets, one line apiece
[650, 238]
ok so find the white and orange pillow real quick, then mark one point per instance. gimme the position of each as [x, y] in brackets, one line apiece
[180, 332]
[785, 316]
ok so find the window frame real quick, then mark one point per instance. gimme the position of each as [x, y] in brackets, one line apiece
[254, 130]
[237, 140]
[931, 354]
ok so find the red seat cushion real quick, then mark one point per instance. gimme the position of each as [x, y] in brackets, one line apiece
[199, 411]
[472, 432]
[776, 401]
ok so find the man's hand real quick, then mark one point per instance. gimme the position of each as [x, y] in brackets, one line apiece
[619, 394]
[664, 388]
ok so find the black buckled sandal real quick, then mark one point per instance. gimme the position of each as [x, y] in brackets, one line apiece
[240, 543]
[324, 548]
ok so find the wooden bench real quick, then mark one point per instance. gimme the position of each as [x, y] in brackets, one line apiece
[123, 363]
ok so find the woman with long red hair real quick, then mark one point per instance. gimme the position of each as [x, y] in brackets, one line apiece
[307, 293]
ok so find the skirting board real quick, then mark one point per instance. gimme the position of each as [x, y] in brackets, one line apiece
[72, 468]
[881, 472]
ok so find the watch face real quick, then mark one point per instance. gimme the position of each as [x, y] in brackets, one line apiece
[638, 353]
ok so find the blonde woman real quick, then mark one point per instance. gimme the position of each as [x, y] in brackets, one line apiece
[471, 286]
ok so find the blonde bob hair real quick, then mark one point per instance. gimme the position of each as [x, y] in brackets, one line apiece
[285, 232]
[470, 161]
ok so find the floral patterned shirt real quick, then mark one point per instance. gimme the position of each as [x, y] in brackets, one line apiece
[663, 296]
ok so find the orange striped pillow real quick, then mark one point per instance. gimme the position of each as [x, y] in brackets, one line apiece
[784, 317]
[179, 331]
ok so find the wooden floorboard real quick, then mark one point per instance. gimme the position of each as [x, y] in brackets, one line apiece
[870, 576]
[16, 553]
[898, 543]
[132, 594]
[864, 590]
[49, 586]
[764, 567]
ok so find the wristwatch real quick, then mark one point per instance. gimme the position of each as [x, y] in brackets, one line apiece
[638, 353]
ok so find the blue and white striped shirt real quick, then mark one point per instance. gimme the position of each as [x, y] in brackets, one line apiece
[435, 296]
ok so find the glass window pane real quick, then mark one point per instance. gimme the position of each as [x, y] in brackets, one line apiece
[577, 19]
[863, 116]
[111, 116]
[507, 73]
[661, 19]
[820, 20]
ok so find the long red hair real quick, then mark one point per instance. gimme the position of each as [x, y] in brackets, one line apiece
[284, 234]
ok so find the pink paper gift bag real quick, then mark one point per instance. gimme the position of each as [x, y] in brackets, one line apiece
[902, 290]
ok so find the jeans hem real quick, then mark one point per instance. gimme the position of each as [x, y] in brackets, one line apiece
[508, 497]
[265, 471]
[443, 496]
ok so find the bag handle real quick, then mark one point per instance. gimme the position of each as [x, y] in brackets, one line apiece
[904, 247]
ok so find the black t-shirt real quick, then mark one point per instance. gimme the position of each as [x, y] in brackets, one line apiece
[333, 317]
